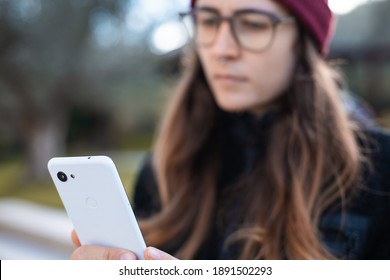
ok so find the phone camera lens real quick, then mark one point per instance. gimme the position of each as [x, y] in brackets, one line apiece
[62, 176]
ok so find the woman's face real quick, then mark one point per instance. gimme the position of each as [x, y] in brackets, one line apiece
[242, 80]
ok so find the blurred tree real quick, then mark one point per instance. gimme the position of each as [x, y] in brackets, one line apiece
[44, 47]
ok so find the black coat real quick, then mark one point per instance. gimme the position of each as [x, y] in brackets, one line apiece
[366, 230]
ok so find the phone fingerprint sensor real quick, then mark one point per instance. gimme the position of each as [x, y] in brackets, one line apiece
[91, 203]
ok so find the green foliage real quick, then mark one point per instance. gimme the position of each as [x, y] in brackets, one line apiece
[10, 176]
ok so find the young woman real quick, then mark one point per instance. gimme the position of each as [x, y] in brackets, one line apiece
[257, 156]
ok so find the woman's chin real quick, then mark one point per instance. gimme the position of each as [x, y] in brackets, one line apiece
[232, 107]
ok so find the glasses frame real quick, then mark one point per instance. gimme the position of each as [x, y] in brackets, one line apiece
[275, 20]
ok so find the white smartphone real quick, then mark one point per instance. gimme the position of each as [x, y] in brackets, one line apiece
[96, 202]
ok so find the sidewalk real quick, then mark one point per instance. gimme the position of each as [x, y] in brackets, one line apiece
[30, 231]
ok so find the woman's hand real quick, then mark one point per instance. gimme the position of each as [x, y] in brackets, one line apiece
[152, 253]
[91, 252]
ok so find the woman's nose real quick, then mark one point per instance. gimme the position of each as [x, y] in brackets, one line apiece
[225, 43]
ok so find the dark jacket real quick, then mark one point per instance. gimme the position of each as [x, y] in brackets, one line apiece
[366, 230]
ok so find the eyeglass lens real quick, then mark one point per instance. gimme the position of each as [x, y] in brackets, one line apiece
[252, 30]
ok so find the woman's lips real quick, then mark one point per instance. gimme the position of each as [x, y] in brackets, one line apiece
[229, 78]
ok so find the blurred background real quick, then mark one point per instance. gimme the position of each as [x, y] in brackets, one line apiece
[82, 77]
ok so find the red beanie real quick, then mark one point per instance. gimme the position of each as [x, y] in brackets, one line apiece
[315, 16]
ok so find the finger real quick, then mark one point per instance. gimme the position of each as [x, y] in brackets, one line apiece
[152, 253]
[75, 239]
[91, 252]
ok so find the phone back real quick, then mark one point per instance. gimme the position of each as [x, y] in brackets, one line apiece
[96, 202]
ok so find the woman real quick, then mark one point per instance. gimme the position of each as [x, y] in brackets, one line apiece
[257, 157]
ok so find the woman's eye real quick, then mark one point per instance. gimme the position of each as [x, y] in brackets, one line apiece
[208, 22]
[253, 25]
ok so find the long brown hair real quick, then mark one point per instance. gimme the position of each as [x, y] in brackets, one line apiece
[309, 169]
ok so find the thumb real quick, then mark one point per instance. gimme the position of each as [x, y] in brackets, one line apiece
[75, 239]
[152, 253]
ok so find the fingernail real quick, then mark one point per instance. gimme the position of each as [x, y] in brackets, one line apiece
[127, 256]
[154, 253]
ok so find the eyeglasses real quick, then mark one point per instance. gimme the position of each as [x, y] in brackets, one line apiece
[253, 30]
